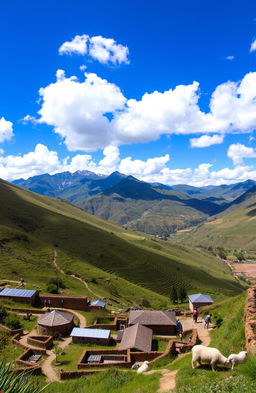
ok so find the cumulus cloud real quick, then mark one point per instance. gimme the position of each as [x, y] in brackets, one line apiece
[78, 110]
[41, 160]
[207, 140]
[253, 46]
[105, 50]
[6, 130]
[237, 152]
[93, 113]
[77, 45]
[229, 57]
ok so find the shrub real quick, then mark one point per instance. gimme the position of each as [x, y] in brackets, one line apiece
[52, 288]
[3, 313]
[12, 321]
[56, 281]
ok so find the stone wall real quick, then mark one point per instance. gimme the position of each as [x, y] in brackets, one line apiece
[250, 320]
[44, 342]
[11, 332]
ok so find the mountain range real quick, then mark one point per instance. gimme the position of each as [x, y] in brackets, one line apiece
[152, 208]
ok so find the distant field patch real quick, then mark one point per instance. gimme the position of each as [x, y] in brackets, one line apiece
[247, 269]
[185, 230]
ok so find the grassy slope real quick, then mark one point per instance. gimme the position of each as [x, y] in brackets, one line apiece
[234, 228]
[31, 225]
[229, 338]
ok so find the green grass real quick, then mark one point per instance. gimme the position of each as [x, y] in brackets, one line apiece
[229, 338]
[111, 381]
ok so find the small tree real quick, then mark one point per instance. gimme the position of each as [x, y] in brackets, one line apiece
[52, 288]
[174, 294]
[58, 352]
[182, 294]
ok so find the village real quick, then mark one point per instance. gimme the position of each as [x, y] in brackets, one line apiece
[115, 338]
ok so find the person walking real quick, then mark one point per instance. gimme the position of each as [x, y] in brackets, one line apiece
[195, 314]
[207, 321]
[179, 329]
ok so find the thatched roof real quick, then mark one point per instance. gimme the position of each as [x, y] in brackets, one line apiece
[137, 337]
[147, 318]
[55, 318]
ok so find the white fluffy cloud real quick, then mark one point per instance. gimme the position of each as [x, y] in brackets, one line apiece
[253, 46]
[6, 130]
[94, 113]
[78, 111]
[237, 152]
[77, 45]
[142, 169]
[41, 160]
[229, 57]
[156, 169]
[207, 140]
[105, 50]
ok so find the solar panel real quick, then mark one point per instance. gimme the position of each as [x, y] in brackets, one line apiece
[17, 292]
[90, 333]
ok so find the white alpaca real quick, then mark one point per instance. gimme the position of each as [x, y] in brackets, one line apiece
[143, 368]
[213, 356]
[235, 359]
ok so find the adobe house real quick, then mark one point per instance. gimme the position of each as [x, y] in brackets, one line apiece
[66, 301]
[27, 296]
[55, 322]
[161, 322]
[90, 336]
[137, 338]
[199, 300]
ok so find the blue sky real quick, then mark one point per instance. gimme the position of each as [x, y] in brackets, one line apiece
[127, 113]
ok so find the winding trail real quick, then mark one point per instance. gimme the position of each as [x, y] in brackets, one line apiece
[56, 266]
[47, 366]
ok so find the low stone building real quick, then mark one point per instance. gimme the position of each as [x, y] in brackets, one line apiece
[90, 336]
[161, 322]
[137, 338]
[64, 301]
[199, 300]
[55, 322]
[27, 296]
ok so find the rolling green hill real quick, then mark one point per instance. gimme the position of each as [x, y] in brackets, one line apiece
[117, 263]
[233, 228]
[139, 206]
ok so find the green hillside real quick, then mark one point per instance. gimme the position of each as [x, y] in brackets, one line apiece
[123, 265]
[139, 206]
[233, 228]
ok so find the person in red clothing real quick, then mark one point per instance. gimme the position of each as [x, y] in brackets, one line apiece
[195, 314]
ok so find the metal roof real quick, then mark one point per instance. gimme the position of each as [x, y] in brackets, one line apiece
[98, 303]
[137, 337]
[146, 317]
[90, 333]
[200, 298]
[17, 292]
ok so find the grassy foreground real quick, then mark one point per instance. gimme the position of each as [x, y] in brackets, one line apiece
[229, 338]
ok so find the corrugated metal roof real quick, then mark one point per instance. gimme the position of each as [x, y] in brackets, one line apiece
[200, 298]
[98, 303]
[90, 333]
[17, 292]
[137, 337]
[146, 317]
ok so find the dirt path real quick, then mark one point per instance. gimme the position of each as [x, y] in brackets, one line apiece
[168, 378]
[54, 262]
